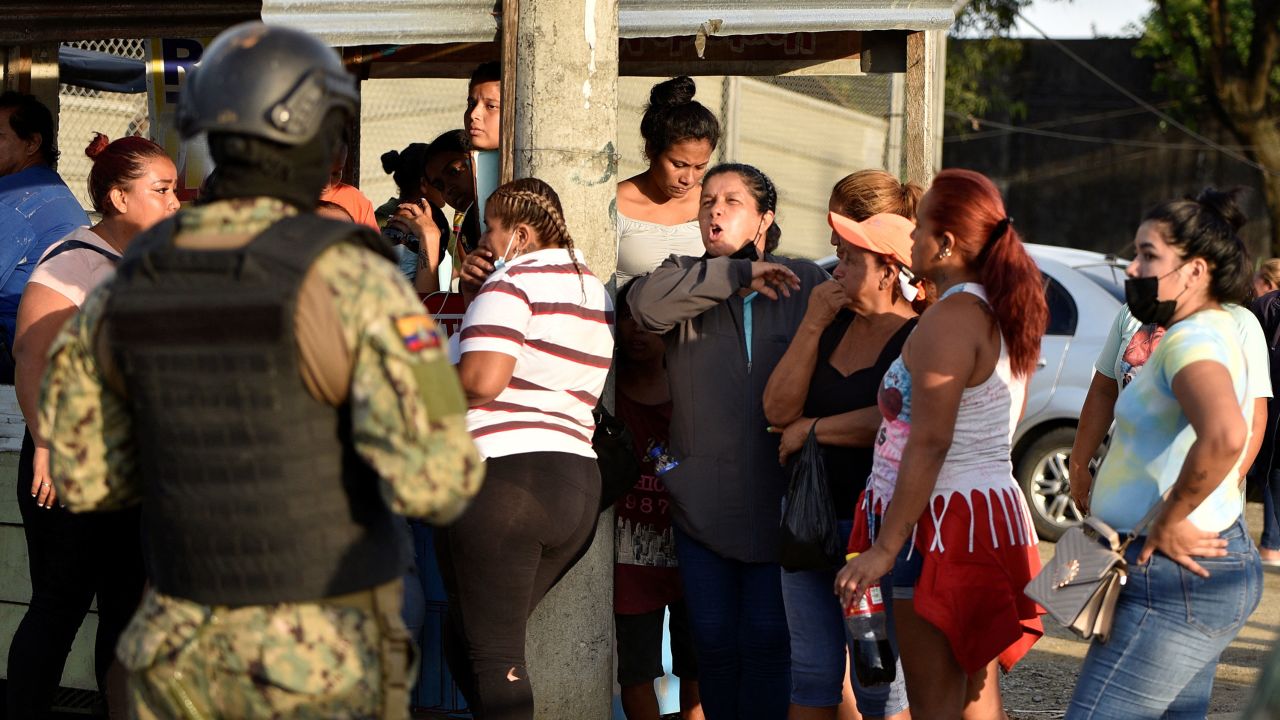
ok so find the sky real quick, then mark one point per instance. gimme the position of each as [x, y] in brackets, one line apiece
[1084, 18]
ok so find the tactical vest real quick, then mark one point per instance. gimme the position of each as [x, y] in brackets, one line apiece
[253, 491]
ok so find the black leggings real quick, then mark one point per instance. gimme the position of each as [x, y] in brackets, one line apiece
[533, 518]
[72, 558]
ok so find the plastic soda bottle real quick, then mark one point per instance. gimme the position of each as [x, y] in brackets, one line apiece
[874, 660]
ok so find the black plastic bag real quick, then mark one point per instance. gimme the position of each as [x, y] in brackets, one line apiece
[616, 457]
[810, 540]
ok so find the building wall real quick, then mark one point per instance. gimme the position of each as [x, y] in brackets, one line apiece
[804, 143]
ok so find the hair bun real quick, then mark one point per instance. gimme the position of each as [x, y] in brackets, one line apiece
[390, 161]
[673, 92]
[1225, 204]
[97, 145]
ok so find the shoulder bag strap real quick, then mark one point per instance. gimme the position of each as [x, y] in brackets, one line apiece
[70, 245]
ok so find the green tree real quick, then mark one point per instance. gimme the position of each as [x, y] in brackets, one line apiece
[977, 68]
[1224, 55]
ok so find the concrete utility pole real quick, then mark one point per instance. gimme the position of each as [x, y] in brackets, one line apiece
[566, 124]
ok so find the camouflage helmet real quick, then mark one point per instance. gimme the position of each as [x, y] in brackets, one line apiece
[269, 82]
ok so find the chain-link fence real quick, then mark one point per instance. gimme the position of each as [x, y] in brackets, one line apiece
[82, 112]
[804, 132]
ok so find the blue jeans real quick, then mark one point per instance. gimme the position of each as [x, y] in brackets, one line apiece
[819, 646]
[739, 630]
[1270, 539]
[1170, 627]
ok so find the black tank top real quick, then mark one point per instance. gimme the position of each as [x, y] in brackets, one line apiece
[831, 393]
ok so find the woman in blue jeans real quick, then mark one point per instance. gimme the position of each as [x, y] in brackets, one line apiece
[854, 327]
[726, 319]
[1194, 574]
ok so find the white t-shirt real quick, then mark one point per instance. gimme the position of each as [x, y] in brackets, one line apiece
[558, 325]
[643, 245]
[73, 271]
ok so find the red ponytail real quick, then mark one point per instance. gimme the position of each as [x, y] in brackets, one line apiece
[968, 205]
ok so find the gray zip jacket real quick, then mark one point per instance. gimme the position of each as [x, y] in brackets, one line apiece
[728, 486]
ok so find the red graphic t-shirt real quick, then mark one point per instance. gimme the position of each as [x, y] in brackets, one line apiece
[645, 576]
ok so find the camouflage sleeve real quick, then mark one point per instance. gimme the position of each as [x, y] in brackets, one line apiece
[88, 426]
[407, 407]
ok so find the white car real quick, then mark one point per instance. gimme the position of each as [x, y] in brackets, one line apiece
[1084, 290]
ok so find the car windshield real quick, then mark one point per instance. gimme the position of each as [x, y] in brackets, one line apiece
[1108, 276]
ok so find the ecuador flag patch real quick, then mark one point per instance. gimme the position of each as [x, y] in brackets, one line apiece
[418, 332]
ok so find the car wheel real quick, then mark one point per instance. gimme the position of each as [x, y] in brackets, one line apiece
[1043, 472]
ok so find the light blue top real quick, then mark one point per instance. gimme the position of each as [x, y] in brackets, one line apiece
[1152, 434]
[1129, 343]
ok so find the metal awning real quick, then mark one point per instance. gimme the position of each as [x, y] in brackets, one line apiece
[433, 22]
[669, 18]
[343, 23]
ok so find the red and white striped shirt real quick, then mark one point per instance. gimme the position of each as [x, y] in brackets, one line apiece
[559, 328]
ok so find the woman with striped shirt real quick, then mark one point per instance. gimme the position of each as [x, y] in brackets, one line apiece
[536, 344]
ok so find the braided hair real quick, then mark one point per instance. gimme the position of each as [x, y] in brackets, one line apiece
[536, 204]
[762, 190]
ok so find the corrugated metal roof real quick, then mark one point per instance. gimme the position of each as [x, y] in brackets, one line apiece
[665, 18]
[65, 21]
[404, 22]
[343, 23]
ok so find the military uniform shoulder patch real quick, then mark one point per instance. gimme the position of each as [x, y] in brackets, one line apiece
[418, 332]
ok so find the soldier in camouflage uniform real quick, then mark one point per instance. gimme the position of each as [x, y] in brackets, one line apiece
[266, 385]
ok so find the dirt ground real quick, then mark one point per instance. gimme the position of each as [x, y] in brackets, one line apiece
[1039, 688]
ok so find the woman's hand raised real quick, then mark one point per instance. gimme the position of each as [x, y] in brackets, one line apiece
[476, 268]
[770, 279]
[825, 301]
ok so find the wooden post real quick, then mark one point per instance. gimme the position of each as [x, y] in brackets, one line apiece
[922, 107]
[507, 131]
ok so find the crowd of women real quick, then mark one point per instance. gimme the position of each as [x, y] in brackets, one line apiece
[909, 365]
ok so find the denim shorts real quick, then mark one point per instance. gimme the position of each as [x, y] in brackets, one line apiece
[819, 646]
[906, 571]
[1170, 627]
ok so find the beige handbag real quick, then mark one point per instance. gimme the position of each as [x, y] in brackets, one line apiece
[1081, 584]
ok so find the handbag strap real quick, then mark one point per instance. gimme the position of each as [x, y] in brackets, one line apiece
[1145, 521]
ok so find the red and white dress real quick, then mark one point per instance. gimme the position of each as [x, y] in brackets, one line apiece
[977, 538]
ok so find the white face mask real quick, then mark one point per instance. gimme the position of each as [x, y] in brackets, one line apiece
[501, 262]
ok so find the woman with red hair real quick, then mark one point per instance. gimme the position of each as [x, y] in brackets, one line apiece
[942, 510]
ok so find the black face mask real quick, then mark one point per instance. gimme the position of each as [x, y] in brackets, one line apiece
[749, 251]
[746, 252]
[1142, 295]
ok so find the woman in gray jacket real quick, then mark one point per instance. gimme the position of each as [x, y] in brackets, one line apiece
[727, 319]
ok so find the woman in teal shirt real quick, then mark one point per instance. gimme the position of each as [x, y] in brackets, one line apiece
[1195, 575]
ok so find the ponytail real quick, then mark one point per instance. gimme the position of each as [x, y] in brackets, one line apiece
[1015, 290]
[968, 205]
